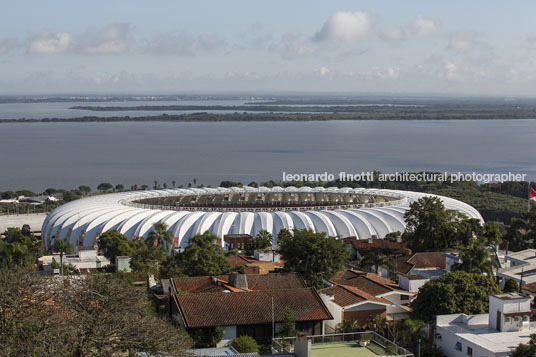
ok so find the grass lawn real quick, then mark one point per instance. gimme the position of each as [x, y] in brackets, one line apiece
[348, 349]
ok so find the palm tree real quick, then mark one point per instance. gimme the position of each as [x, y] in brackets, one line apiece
[476, 258]
[160, 235]
[410, 331]
[62, 246]
[346, 326]
[376, 260]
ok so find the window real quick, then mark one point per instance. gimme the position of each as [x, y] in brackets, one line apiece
[458, 346]
[469, 351]
[404, 297]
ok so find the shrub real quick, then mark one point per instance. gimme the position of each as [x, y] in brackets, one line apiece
[245, 344]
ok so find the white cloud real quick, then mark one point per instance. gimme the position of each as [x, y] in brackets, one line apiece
[323, 71]
[50, 42]
[421, 26]
[113, 38]
[7, 45]
[344, 26]
[183, 44]
[292, 46]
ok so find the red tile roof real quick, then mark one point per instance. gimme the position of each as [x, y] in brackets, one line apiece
[529, 287]
[208, 284]
[246, 308]
[368, 283]
[239, 260]
[348, 295]
[425, 260]
[379, 246]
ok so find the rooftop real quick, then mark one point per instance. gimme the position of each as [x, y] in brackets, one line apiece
[510, 296]
[349, 295]
[428, 260]
[220, 283]
[379, 246]
[228, 309]
[480, 333]
[369, 283]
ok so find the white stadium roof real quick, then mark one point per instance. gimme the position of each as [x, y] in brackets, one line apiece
[132, 214]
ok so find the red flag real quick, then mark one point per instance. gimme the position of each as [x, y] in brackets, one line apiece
[532, 193]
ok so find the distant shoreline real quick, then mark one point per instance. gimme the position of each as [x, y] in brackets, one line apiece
[285, 117]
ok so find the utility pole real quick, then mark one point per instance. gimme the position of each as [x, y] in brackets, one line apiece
[273, 320]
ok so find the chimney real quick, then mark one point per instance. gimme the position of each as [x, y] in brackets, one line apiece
[399, 239]
[239, 281]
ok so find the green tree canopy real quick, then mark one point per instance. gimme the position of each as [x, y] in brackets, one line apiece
[245, 344]
[113, 244]
[376, 260]
[105, 187]
[431, 227]
[455, 292]
[160, 236]
[262, 240]
[476, 258]
[203, 257]
[315, 256]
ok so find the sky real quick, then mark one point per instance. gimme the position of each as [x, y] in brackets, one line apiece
[128, 46]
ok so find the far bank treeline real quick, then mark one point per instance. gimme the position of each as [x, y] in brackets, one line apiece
[302, 113]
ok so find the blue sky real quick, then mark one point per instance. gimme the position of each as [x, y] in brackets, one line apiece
[474, 47]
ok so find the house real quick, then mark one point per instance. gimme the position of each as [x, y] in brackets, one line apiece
[85, 261]
[360, 248]
[243, 304]
[253, 266]
[236, 241]
[359, 296]
[496, 333]
[519, 266]
[430, 265]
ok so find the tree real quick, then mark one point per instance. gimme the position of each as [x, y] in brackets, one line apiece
[455, 292]
[84, 189]
[146, 257]
[346, 326]
[20, 248]
[262, 240]
[511, 286]
[289, 324]
[97, 316]
[315, 256]
[206, 337]
[174, 183]
[107, 315]
[113, 244]
[253, 184]
[431, 227]
[62, 246]
[144, 187]
[492, 233]
[376, 260]
[119, 187]
[245, 344]
[411, 331]
[526, 350]
[160, 236]
[104, 187]
[203, 257]
[476, 258]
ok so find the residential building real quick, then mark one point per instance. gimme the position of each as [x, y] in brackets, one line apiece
[85, 261]
[430, 265]
[496, 333]
[360, 248]
[243, 304]
[519, 266]
[359, 296]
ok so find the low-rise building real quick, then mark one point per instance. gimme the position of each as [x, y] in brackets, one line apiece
[360, 248]
[359, 296]
[496, 333]
[242, 304]
[85, 261]
[520, 267]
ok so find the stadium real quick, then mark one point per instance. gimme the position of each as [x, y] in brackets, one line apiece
[342, 212]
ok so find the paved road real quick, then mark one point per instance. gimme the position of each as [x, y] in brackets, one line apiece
[35, 220]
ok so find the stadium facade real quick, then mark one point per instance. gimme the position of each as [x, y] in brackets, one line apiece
[342, 212]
